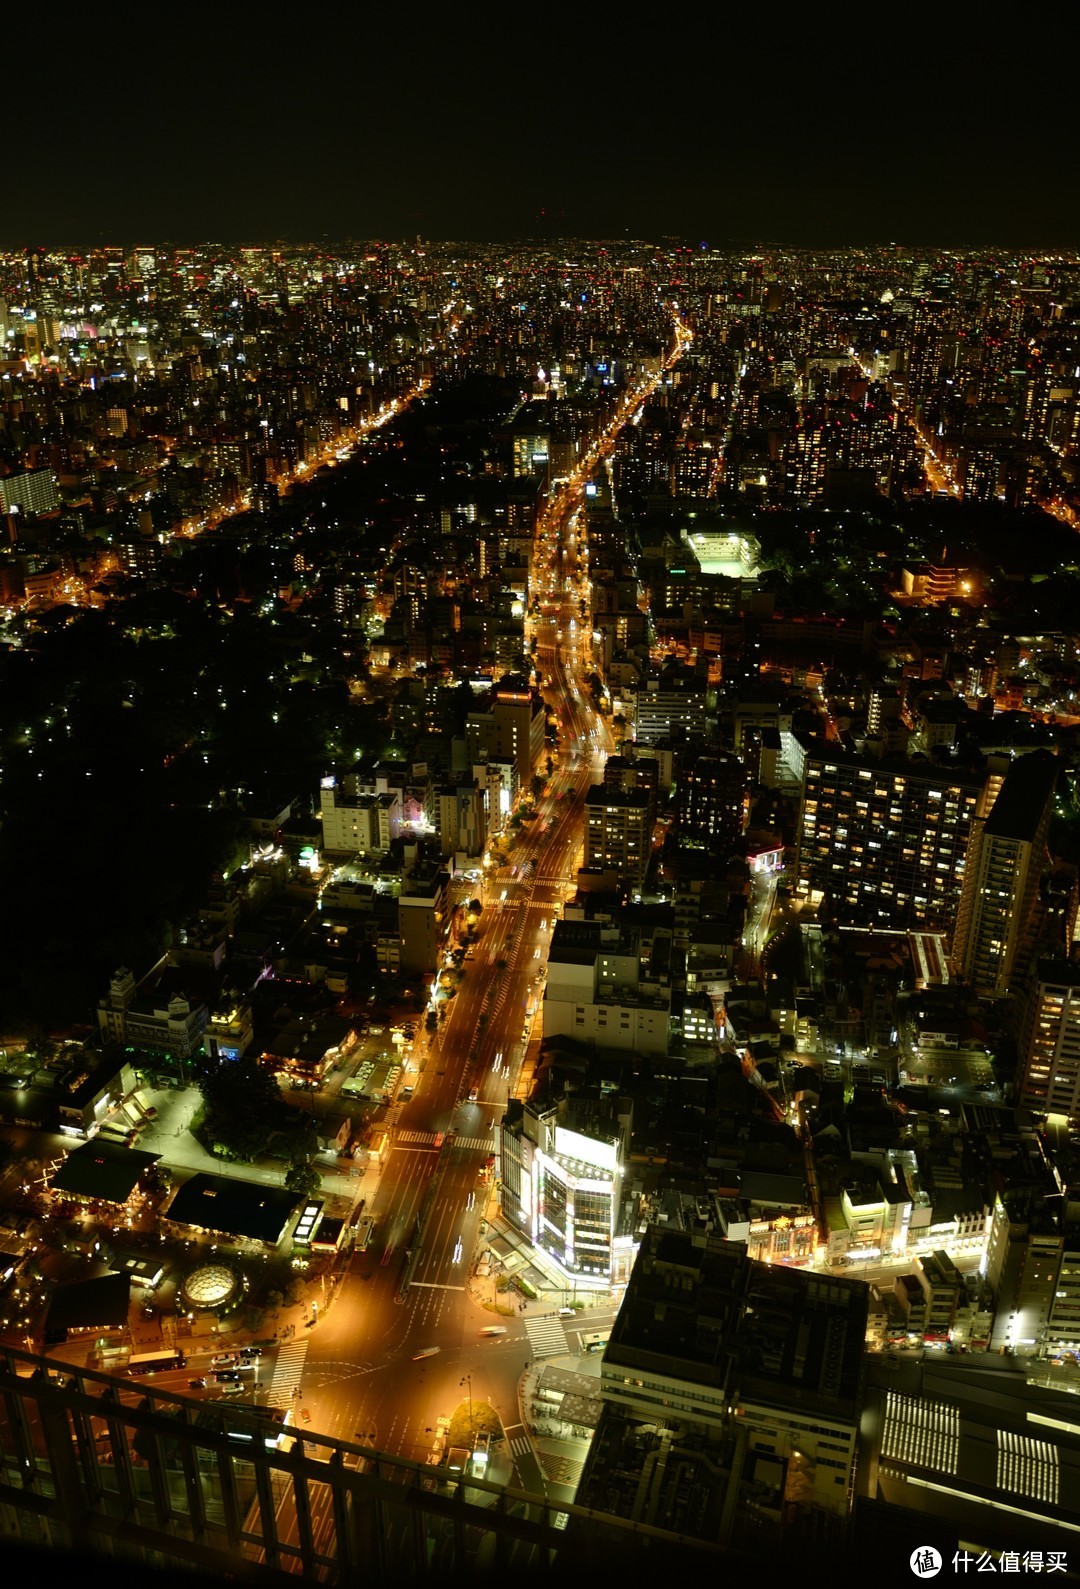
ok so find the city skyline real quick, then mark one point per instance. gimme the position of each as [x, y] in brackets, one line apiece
[539, 827]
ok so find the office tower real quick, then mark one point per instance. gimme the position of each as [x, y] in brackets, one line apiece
[1001, 877]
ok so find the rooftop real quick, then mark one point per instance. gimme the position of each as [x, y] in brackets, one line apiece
[102, 1169]
[233, 1207]
[711, 1314]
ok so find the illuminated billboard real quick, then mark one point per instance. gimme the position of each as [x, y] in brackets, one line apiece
[572, 1145]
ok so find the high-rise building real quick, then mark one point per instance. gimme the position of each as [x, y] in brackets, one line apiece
[709, 798]
[1050, 1047]
[634, 772]
[357, 820]
[462, 818]
[674, 698]
[33, 491]
[423, 915]
[886, 838]
[1001, 877]
[510, 727]
[617, 832]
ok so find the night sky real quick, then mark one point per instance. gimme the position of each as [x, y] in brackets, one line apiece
[712, 123]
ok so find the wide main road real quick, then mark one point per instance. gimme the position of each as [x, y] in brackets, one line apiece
[387, 1359]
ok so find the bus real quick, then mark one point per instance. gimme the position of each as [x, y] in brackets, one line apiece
[595, 1342]
[154, 1362]
[363, 1233]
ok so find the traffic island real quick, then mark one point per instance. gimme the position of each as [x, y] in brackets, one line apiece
[474, 1446]
[472, 1425]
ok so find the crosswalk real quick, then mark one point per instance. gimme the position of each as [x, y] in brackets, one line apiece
[560, 1469]
[287, 1372]
[546, 1337]
[427, 1139]
[520, 1445]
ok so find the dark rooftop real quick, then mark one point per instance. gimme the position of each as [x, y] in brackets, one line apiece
[102, 1169]
[1022, 798]
[88, 1305]
[693, 1304]
[233, 1207]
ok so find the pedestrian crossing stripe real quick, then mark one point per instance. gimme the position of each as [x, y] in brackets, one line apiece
[520, 1446]
[428, 1139]
[546, 1337]
[287, 1371]
[560, 1469]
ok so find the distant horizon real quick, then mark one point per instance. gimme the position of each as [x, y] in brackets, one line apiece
[412, 239]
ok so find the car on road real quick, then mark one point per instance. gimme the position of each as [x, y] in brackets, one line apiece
[225, 1360]
[196, 1384]
[227, 1376]
[567, 1313]
[251, 1352]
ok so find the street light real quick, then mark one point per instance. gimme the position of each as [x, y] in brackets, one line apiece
[467, 1379]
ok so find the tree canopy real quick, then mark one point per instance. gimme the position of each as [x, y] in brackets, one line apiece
[243, 1107]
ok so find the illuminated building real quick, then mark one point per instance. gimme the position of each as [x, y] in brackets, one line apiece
[888, 838]
[530, 450]
[618, 832]
[167, 1022]
[632, 771]
[499, 779]
[561, 1181]
[1001, 877]
[674, 698]
[230, 1031]
[1050, 1049]
[510, 727]
[462, 819]
[34, 491]
[356, 820]
[423, 915]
